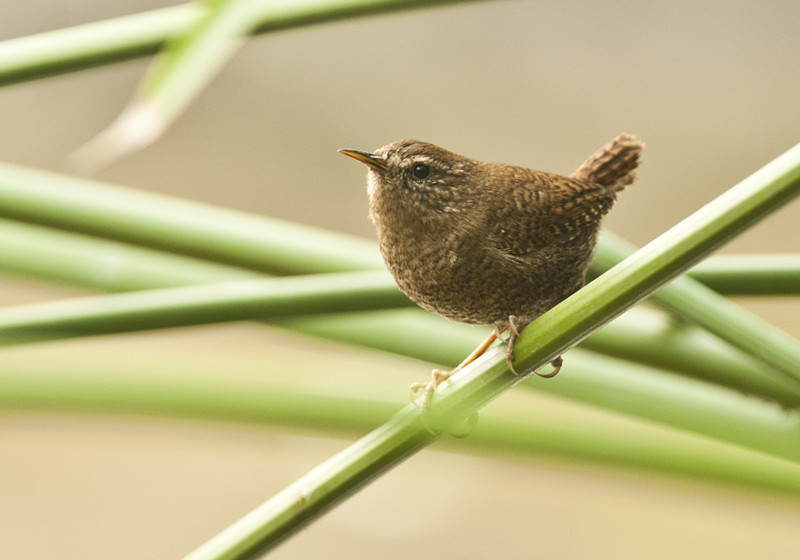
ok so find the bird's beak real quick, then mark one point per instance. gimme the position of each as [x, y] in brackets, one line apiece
[375, 162]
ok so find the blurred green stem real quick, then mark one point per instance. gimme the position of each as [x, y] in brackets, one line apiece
[691, 301]
[114, 40]
[750, 275]
[176, 77]
[508, 426]
[93, 44]
[193, 305]
[186, 227]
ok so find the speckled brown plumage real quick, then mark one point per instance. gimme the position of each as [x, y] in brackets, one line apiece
[483, 242]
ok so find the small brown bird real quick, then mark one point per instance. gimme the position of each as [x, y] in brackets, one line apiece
[489, 243]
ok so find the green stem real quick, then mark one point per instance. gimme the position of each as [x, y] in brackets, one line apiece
[656, 340]
[176, 77]
[101, 264]
[93, 44]
[192, 305]
[669, 400]
[191, 59]
[182, 226]
[751, 275]
[692, 301]
[514, 426]
[123, 38]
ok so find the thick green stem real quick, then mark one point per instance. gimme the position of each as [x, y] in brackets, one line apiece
[487, 377]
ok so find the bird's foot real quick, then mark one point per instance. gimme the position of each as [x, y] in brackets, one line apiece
[557, 363]
[437, 378]
[462, 429]
[513, 333]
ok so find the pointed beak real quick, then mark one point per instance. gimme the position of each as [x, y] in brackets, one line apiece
[373, 161]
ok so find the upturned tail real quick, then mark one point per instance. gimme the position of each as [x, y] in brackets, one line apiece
[613, 165]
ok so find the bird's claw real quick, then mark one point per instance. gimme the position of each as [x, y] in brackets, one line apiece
[437, 378]
[557, 363]
[513, 333]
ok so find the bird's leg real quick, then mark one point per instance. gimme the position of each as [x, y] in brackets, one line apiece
[513, 333]
[438, 376]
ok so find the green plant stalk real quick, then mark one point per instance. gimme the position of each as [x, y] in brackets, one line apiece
[176, 77]
[654, 339]
[270, 245]
[93, 44]
[319, 490]
[186, 227]
[515, 429]
[750, 275]
[193, 305]
[233, 237]
[331, 293]
[649, 394]
[185, 65]
[102, 264]
[486, 378]
[692, 301]
[142, 34]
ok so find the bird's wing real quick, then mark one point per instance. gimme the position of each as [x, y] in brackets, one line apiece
[547, 210]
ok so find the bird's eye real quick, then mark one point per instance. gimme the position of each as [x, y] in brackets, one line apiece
[421, 171]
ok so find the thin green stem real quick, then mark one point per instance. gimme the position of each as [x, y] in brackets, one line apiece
[669, 400]
[101, 264]
[93, 44]
[657, 340]
[692, 301]
[190, 60]
[750, 275]
[192, 305]
[106, 265]
[176, 77]
[142, 34]
[182, 226]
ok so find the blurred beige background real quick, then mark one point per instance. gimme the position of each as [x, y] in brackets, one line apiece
[710, 86]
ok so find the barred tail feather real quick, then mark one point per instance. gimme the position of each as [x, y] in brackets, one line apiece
[613, 165]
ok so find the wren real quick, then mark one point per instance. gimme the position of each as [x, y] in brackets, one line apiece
[489, 243]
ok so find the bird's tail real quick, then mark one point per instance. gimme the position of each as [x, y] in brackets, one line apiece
[614, 164]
